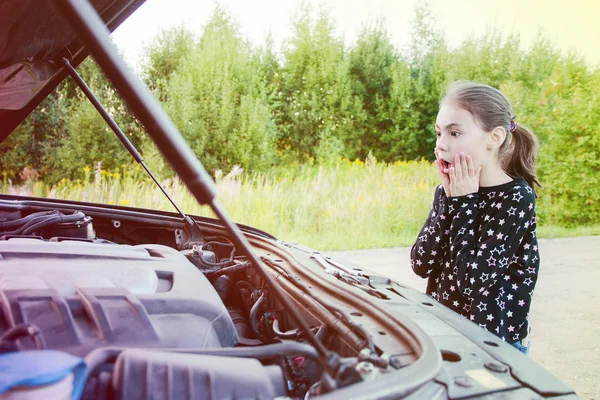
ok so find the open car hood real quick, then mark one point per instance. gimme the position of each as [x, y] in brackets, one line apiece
[34, 36]
[163, 305]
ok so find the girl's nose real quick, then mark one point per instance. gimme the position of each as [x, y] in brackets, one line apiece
[441, 145]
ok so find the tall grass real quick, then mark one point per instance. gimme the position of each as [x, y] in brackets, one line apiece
[345, 205]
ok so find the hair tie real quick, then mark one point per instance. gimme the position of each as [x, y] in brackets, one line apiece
[513, 124]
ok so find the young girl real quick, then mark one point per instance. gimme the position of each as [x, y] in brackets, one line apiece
[478, 246]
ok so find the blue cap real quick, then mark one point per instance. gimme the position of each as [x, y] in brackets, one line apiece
[41, 367]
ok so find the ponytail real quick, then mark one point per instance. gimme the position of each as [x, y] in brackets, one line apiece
[491, 109]
[521, 155]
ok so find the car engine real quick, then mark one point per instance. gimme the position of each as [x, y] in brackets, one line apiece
[140, 315]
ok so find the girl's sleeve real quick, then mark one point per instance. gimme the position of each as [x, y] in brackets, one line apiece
[481, 258]
[427, 253]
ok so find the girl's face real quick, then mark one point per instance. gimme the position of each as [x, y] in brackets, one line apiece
[457, 132]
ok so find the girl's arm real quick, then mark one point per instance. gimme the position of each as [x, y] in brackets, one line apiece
[481, 258]
[427, 252]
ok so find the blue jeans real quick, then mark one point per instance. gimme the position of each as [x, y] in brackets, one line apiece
[523, 346]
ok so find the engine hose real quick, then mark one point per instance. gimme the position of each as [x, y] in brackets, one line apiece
[227, 262]
[37, 219]
[357, 330]
[61, 219]
[243, 284]
[31, 222]
[25, 330]
[38, 223]
[21, 221]
[34, 224]
[237, 288]
[253, 321]
[103, 355]
[227, 270]
[283, 335]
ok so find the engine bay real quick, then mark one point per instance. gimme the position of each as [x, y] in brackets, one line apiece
[134, 310]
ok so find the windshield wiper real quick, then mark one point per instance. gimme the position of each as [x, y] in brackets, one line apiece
[347, 275]
[194, 234]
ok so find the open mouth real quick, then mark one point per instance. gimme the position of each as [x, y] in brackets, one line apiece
[445, 164]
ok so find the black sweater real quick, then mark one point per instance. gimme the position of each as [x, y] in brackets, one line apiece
[481, 255]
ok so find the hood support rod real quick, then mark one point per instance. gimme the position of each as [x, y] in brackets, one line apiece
[92, 30]
[193, 230]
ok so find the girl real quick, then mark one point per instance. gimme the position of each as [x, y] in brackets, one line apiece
[478, 246]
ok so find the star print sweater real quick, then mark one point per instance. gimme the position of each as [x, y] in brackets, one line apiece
[480, 255]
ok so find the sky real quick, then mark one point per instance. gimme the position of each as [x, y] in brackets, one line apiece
[570, 24]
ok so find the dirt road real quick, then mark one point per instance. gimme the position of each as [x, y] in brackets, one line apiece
[565, 315]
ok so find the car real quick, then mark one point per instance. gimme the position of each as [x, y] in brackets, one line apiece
[110, 302]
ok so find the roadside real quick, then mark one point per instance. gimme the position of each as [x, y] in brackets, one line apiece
[565, 316]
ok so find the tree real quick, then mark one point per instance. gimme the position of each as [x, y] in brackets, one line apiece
[163, 56]
[217, 99]
[371, 65]
[316, 111]
[418, 84]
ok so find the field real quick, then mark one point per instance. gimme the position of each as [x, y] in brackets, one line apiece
[340, 206]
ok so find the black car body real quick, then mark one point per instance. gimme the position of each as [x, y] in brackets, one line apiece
[126, 303]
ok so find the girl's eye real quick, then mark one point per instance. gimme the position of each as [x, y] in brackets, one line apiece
[438, 134]
[455, 133]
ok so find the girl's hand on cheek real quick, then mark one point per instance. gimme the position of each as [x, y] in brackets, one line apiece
[445, 178]
[464, 177]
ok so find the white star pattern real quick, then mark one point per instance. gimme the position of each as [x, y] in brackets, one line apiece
[517, 197]
[482, 245]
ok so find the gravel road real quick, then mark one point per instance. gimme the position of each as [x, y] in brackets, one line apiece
[565, 314]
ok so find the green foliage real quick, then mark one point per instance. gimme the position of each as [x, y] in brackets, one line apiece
[371, 68]
[65, 133]
[343, 205]
[419, 82]
[570, 153]
[163, 56]
[90, 140]
[315, 110]
[319, 100]
[219, 103]
[31, 144]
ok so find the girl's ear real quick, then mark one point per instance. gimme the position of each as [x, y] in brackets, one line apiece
[496, 138]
